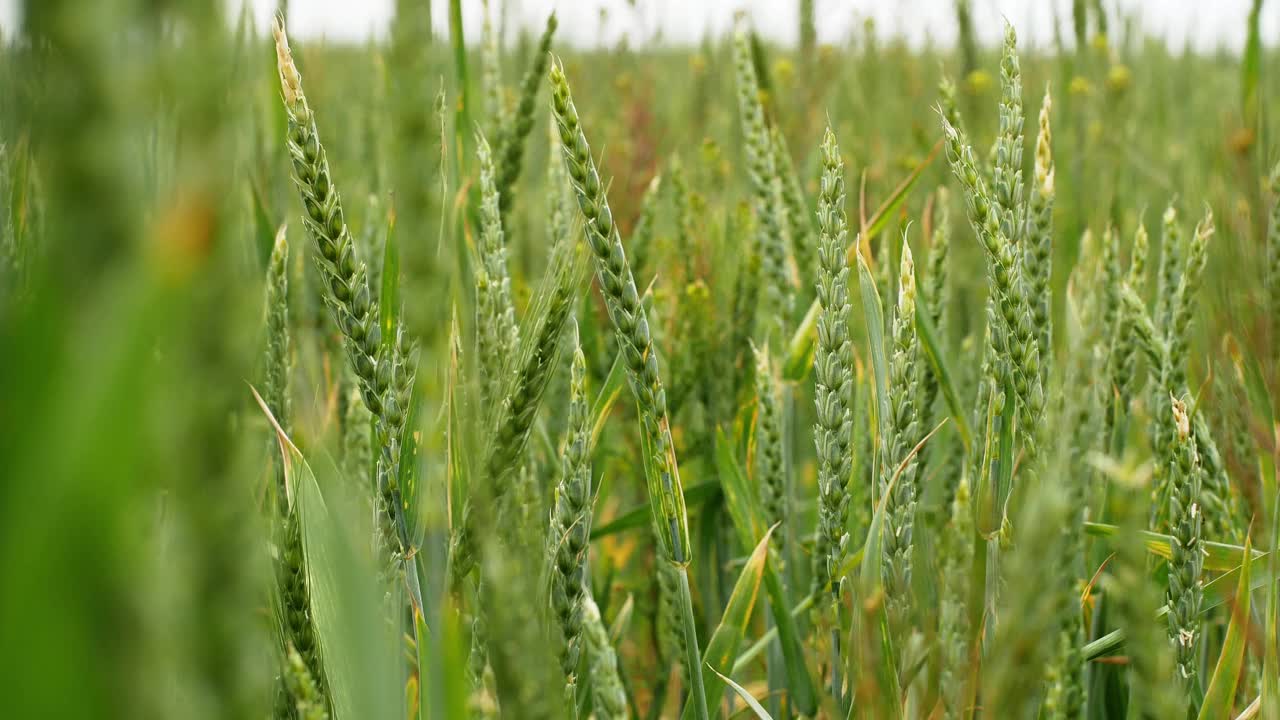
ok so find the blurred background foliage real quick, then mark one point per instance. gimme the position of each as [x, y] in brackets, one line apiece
[144, 175]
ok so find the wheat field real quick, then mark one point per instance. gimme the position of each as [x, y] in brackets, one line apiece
[437, 377]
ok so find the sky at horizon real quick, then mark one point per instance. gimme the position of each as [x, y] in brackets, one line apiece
[588, 23]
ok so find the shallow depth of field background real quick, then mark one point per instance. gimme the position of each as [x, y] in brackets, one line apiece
[146, 498]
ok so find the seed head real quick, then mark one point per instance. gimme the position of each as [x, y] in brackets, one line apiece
[1044, 150]
[907, 284]
[1180, 419]
[290, 80]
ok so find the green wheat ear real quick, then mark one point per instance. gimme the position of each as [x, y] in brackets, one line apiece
[953, 623]
[1006, 174]
[278, 361]
[799, 226]
[1183, 303]
[767, 191]
[635, 344]
[571, 517]
[902, 433]
[1037, 253]
[384, 370]
[631, 325]
[1012, 325]
[491, 69]
[497, 335]
[934, 298]
[770, 467]
[609, 698]
[1124, 344]
[1186, 564]
[511, 149]
[1171, 250]
[832, 372]
[309, 701]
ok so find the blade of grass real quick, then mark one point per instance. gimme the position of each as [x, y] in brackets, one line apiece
[929, 341]
[1218, 556]
[1251, 67]
[1222, 687]
[462, 123]
[389, 296]
[640, 517]
[884, 213]
[728, 635]
[1269, 700]
[763, 641]
[345, 596]
[874, 315]
[747, 697]
[264, 231]
[985, 502]
[803, 345]
[607, 396]
[743, 505]
[1003, 468]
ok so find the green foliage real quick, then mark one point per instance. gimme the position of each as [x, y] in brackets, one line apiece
[1033, 476]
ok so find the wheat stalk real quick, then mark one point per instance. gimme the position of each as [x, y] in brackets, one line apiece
[631, 326]
[497, 335]
[1273, 258]
[384, 371]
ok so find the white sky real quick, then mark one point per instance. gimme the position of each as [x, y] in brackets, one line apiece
[1209, 25]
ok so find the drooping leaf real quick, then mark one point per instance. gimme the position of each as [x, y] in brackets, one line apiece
[1218, 556]
[747, 697]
